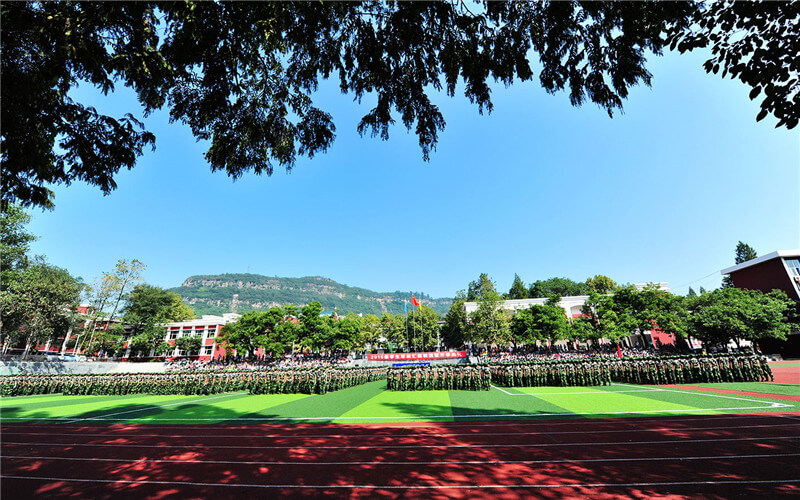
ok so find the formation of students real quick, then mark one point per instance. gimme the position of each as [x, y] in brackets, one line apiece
[321, 374]
[238, 363]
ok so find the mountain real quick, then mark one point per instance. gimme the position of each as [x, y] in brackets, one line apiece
[245, 292]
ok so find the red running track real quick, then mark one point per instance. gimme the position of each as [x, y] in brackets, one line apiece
[722, 456]
[785, 374]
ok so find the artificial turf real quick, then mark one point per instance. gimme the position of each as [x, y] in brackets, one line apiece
[373, 403]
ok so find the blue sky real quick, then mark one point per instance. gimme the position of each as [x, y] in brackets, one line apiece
[662, 192]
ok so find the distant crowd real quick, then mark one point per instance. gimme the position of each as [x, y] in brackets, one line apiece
[237, 363]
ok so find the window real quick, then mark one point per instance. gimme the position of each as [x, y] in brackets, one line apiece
[208, 350]
[173, 334]
[200, 331]
[794, 266]
[212, 332]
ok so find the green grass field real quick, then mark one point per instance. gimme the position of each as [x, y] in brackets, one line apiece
[373, 403]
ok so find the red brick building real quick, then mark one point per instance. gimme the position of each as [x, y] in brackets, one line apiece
[777, 270]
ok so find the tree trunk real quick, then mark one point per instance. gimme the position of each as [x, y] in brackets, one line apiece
[66, 339]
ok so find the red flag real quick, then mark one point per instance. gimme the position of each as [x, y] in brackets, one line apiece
[414, 301]
[619, 351]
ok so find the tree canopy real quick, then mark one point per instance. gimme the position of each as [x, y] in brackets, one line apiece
[38, 301]
[744, 252]
[734, 313]
[563, 287]
[242, 76]
[147, 303]
[756, 42]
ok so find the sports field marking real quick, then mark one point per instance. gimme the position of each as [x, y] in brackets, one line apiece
[510, 423]
[103, 417]
[404, 435]
[404, 487]
[597, 393]
[713, 395]
[405, 462]
[402, 418]
[411, 446]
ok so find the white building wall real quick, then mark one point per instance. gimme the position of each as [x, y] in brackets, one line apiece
[571, 305]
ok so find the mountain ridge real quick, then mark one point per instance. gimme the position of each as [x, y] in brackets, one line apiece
[240, 292]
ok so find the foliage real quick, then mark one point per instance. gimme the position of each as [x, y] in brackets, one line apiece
[242, 76]
[563, 287]
[601, 284]
[35, 304]
[603, 318]
[540, 322]
[371, 330]
[744, 252]
[147, 302]
[423, 328]
[15, 243]
[252, 330]
[191, 344]
[454, 330]
[393, 329]
[347, 333]
[518, 289]
[734, 313]
[642, 310]
[483, 286]
[490, 323]
[314, 329]
[756, 42]
[149, 337]
[111, 290]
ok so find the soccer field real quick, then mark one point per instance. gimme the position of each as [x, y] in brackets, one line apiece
[372, 403]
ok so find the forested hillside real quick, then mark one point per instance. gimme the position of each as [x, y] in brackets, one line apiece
[222, 293]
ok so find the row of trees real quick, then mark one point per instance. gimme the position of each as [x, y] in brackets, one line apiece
[40, 307]
[40, 302]
[563, 287]
[713, 317]
[290, 329]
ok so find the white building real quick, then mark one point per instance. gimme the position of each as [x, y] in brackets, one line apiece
[207, 327]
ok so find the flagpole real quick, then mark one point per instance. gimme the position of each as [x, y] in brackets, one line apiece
[415, 323]
[408, 339]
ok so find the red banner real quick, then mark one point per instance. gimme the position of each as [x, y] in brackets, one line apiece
[417, 356]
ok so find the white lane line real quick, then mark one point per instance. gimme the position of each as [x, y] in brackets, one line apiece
[104, 416]
[406, 462]
[667, 419]
[538, 394]
[405, 418]
[404, 435]
[404, 487]
[710, 394]
[670, 442]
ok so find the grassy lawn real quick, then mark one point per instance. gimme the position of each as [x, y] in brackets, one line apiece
[372, 403]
